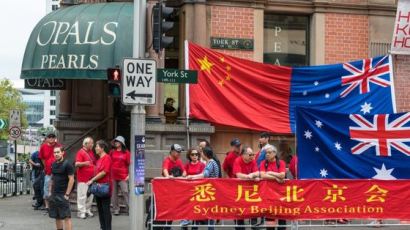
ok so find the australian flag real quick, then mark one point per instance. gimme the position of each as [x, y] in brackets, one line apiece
[352, 146]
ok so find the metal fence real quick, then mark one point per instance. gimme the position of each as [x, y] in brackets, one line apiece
[14, 180]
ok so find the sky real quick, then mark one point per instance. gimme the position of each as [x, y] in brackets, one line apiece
[17, 19]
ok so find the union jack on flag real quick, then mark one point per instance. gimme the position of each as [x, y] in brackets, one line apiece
[361, 77]
[381, 134]
[345, 146]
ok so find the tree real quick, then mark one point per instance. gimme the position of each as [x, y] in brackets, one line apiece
[10, 98]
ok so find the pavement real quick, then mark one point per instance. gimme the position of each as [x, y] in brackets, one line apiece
[16, 213]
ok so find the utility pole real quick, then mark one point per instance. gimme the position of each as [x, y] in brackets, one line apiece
[136, 212]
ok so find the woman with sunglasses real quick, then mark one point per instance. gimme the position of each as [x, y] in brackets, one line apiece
[194, 166]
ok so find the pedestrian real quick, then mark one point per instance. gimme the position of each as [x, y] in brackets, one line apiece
[85, 164]
[204, 143]
[212, 170]
[231, 157]
[172, 166]
[46, 156]
[245, 168]
[37, 179]
[103, 176]
[120, 157]
[263, 140]
[61, 185]
[194, 166]
[272, 168]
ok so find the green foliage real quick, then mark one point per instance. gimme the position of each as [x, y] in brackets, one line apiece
[10, 98]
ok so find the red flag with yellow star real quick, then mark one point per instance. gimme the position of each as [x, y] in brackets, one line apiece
[238, 92]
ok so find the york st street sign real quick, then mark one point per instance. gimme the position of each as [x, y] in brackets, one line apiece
[138, 81]
[177, 76]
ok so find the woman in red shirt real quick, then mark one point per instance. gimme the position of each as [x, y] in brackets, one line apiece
[194, 166]
[120, 157]
[103, 170]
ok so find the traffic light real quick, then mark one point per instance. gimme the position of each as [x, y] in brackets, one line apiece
[163, 23]
[114, 82]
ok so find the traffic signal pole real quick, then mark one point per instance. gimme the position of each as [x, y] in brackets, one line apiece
[136, 211]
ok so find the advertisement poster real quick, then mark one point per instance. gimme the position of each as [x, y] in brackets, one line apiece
[139, 161]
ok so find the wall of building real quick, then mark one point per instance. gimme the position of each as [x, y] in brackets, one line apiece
[401, 82]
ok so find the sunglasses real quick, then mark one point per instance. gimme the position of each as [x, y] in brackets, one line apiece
[252, 154]
[194, 154]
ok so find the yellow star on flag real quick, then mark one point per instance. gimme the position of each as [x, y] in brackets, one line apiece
[221, 82]
[228, 77]
[228, 68]
[222, 59]
[205, 64]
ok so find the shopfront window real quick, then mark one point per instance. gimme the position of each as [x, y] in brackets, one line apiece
[286, 40]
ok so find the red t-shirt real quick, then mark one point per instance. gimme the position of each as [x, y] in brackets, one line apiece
[272, 167]
[170, 165]
[194, 169]
[120, 164]
[85, 173]
[292, 166]
[104, 164]
[240, 166]
[46, 153]
[228, 163]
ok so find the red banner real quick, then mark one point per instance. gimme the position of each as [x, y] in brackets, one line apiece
[177, 199]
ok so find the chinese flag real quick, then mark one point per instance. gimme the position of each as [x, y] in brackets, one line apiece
[238, 92]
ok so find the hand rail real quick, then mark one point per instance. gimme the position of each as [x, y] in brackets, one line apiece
[69, 146]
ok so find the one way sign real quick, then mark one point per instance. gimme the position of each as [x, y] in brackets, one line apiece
[138, 81]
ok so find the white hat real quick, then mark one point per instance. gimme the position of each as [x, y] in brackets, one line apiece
[120, 139]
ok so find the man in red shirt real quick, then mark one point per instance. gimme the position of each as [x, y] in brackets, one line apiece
[231, 157]
[172, 165]
[245, 168]
[46, 155]
[85, 164]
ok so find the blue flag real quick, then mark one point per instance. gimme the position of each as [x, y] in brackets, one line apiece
[352, 146]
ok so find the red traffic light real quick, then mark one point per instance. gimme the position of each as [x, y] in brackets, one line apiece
[114, 74]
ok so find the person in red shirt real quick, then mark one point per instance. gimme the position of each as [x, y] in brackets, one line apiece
[85, 164]
[245, 167]
[273, 169]
[172, 165]
[103, 171]
[231, 157]
[120, 157]
[46, 155]
[194, 166]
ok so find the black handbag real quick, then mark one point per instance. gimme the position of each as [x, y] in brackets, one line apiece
[101, 190]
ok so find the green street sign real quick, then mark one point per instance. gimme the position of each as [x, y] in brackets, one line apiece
[177, 76]
[3, 123]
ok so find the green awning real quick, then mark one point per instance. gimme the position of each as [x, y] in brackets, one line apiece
[79, 42]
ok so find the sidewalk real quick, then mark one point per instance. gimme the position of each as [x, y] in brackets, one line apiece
[16, 213]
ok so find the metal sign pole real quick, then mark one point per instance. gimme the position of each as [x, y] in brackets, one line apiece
[137, 118]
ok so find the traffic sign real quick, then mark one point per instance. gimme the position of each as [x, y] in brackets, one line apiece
[138, 81]
[14, 118]
[14, 132]
[3, 123]
[177, 76]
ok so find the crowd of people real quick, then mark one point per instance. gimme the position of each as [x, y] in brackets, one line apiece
[99, 170]
[240, 162]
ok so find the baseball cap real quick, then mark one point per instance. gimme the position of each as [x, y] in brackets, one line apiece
[235, 142]
[264, 135]
[51, 134]
[176, 147]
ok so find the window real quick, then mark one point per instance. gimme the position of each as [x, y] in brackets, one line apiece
[51, 121]
[52, 112]
[52, 102]
[54, 7]
[286, 40]
[52, 93]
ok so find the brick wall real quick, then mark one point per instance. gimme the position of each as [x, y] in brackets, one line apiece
[232, 22]
[347, 37]
[401, 82]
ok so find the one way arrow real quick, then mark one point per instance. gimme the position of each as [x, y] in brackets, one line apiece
[133, 95]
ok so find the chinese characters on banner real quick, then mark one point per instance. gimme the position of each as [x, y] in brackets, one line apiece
[177, 199]
[401, 33]
[139, 162]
